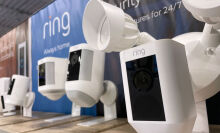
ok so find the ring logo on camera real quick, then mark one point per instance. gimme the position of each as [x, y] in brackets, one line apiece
[139, 52]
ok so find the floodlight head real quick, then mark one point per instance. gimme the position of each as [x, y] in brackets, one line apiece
[204, 10]
[108, 28]
[18, 89]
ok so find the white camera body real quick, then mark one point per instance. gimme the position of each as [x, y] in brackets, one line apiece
[85, 76]
[4, 86]
[158, 91]
[52, 77]
[204, 10]
[18, 89]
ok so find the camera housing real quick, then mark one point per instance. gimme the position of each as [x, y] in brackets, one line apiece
[18, 89]
[52, 77]
[158, 91]
[4, 86]
[85, 76]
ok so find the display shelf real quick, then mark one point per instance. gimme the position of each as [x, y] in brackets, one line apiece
[37, 124]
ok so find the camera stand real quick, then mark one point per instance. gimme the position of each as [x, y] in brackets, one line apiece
[75, 113]
[109, 100]
[201, 124]
[28, 104]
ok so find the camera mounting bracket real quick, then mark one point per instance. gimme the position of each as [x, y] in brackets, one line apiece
[109, 100]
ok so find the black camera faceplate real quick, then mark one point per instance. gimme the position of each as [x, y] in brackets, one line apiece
[42, 74]
[144, 88]
[74, 65]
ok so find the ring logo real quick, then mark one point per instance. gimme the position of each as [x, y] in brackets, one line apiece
[129, 3]
[139, 52]
[55, 25]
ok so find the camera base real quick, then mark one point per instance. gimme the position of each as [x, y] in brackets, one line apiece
[59, 118]
[9, 114]
[110, 113]
[109, 101]
[75, 113]
[201, 124]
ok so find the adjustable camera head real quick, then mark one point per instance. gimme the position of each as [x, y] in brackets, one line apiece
[52, 77]
[157, 88]
[85, 76]
[18, 94]
[4, 86]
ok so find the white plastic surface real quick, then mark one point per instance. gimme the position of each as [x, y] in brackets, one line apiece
[110, 29]
[201, 124]
[20, 88]
[87, 93]
[4, 87]
[177, 93]
[204, 10]
[57, 90]
[203, 63]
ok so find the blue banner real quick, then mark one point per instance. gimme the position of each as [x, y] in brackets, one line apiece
[54, 30]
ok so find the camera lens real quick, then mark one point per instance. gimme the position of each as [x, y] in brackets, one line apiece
[74, 59]
[143, 80]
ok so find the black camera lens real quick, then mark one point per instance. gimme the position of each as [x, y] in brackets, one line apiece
[74, 59]
[143, 80]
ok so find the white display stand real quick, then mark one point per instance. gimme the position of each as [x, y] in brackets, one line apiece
[201, 124]
[75, 113]
[109, 101]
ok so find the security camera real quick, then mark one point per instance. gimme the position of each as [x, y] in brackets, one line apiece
[52, 77]
[157, 86]
[204, 10]
[4, 86]
[85, 84]
[85, 75]
[18, 94]
[109, 27]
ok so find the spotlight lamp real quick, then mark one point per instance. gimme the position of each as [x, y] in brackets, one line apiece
[110, 30]
[204, 10]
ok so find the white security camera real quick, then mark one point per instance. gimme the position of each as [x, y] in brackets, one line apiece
[109, 27]
[85, 84]
[204, 10]
[18, 94]
[52, 77]
[85, 76]
[4, 86]
[158, 91]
